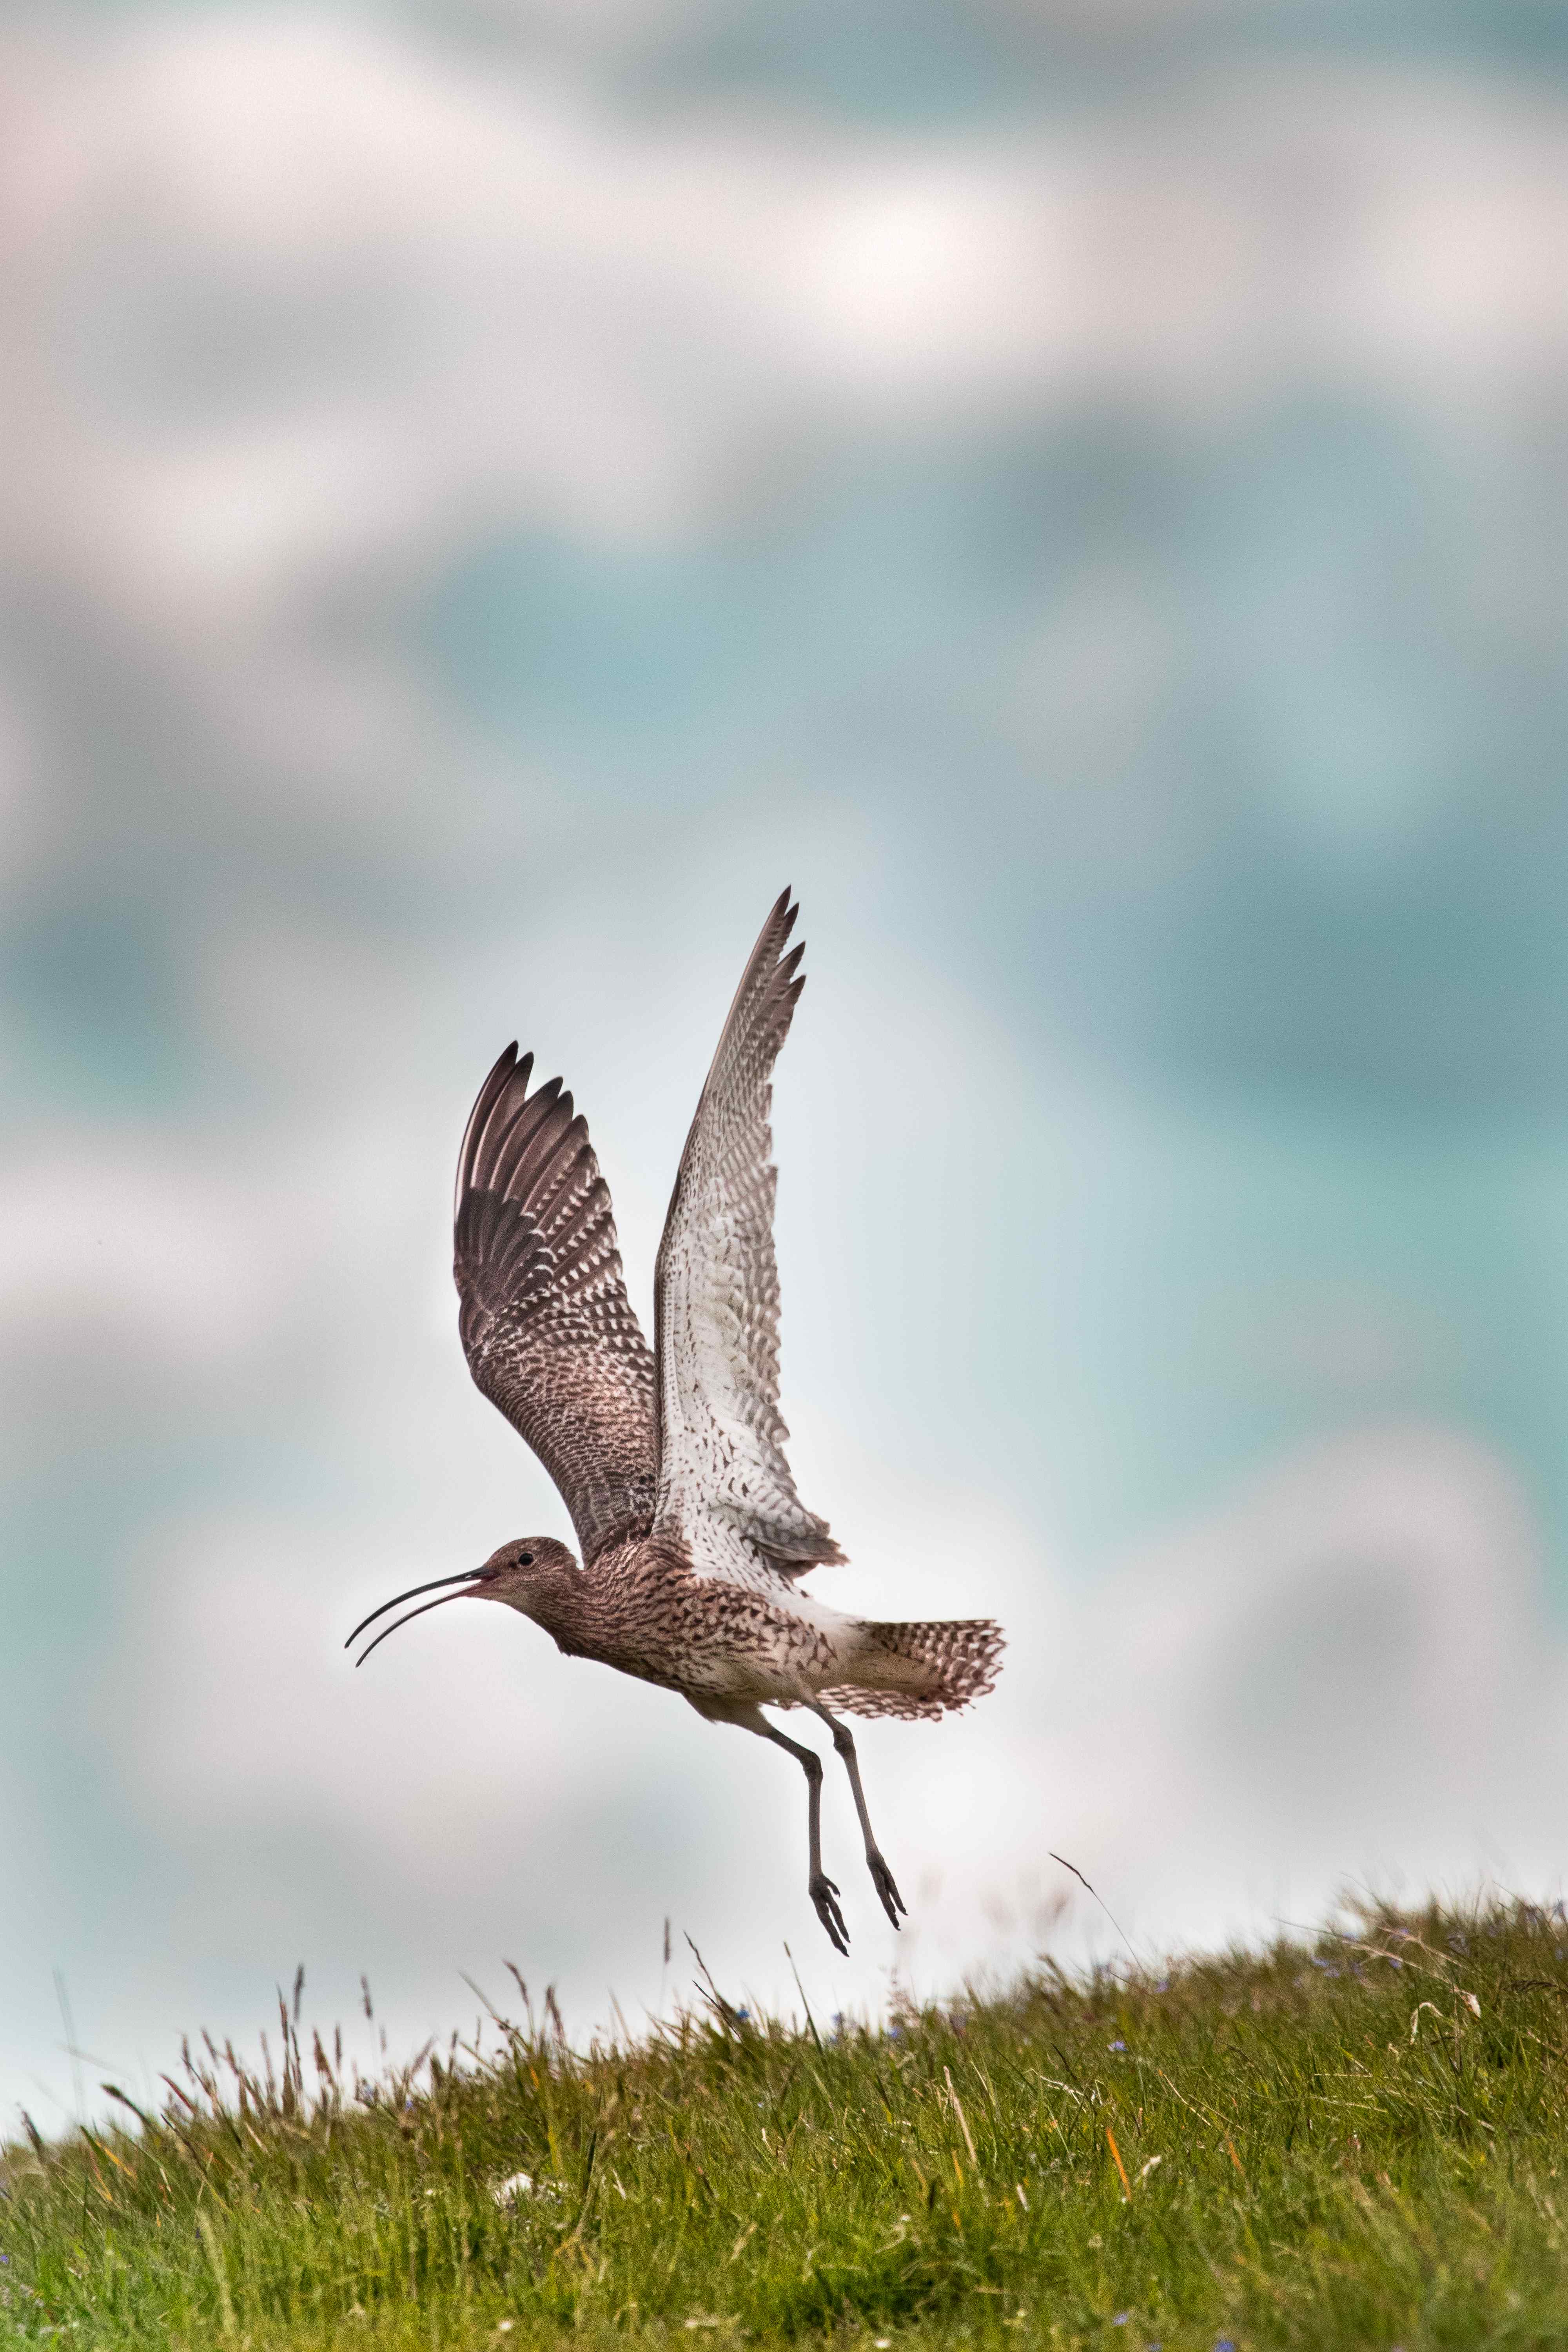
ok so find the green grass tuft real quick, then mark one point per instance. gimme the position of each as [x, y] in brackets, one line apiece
[1358, 2144]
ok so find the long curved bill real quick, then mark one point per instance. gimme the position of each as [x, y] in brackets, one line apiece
[470, 1578]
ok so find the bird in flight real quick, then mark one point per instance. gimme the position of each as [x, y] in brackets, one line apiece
[671, 1464]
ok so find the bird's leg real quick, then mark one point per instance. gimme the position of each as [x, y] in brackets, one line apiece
[823, 1893]
[882, 1876]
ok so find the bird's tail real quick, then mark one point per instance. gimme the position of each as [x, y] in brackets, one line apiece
[914, 1670]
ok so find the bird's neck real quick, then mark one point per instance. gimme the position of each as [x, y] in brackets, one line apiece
[561, 1600]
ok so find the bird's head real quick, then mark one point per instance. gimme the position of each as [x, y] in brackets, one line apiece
[522, 1573]
[519, 1571]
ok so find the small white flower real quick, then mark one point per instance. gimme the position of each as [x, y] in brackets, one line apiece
[509, 2192]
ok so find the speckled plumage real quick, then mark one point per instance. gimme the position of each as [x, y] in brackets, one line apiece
[724, 1485]
[671, 1463]
[546, 1325]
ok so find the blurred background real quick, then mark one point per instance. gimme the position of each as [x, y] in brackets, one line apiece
[495, 489]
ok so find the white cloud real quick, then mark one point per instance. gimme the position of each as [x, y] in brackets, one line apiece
[1344, 1672]
[304, 309]
[1347, 1672]
[305, 299]
[158, 1257]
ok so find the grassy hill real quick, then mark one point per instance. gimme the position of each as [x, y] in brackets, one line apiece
[1363, 2142]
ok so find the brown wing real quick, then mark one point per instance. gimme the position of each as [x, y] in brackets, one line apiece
[547, 1327]
[725, 1488]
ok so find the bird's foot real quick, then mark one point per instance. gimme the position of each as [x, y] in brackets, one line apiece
[824, 1894]
[883, 1881]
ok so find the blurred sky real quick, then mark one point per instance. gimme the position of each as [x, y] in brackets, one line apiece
[493, 492]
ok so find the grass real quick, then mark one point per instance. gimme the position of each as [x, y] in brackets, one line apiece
[1360, 2142]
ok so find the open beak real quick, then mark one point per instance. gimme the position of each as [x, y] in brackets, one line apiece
[473, 1580]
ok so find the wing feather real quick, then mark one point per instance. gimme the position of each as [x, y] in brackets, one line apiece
[725, 1488]
[546, 1325]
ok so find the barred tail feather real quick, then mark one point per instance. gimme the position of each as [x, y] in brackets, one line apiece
[919, 1670]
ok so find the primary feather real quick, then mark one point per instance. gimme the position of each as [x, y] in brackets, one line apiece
[546, 1325]
[724, 1485]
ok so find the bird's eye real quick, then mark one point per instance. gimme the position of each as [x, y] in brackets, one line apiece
[525, 1559]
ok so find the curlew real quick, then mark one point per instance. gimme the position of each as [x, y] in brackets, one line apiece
[671, 1464]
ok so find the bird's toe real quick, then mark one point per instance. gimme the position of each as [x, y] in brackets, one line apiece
[882, 1879]
[825, 1895]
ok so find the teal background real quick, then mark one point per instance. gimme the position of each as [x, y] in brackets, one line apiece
[494, 492]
